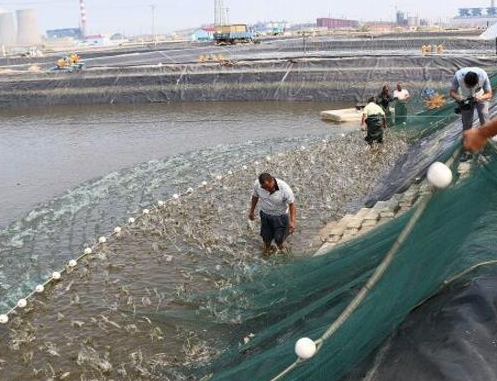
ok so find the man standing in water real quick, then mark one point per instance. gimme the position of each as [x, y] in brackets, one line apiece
[471, 89]
[277, 200]
[402, 96]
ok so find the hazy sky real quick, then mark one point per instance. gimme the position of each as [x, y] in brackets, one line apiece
[134, 16]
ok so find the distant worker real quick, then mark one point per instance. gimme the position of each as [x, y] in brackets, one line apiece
[375, 119]
[471, 89]
[384, 99]
[402, 96]
[277, 200]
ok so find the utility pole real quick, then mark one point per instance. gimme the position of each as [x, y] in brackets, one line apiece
[227, 16]
[153, 7]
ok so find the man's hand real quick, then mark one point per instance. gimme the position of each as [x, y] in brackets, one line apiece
[363, 128]
[474, 140]
[251, 215]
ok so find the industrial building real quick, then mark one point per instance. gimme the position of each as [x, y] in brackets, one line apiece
[75, 33]
[332, 23]
[27, 28]
[7, 29]
[475, 17]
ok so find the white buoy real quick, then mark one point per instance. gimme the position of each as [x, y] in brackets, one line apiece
[39, 289]
[146, 211]
[22, 303]
[189, 190]
[87, 250]
[102, 240]
[204, 183]
[219, 177]
[131, 220]
[302, 148]
[439, 175]
[4, 319]
[56, 275]
[324, 140]
[160, 203]
[256, 163]
[117, 229]
[72, 263]
[268, 158]
[343, 135]
[175, 196]
[305, 348]
[244, 167]
[230, 172]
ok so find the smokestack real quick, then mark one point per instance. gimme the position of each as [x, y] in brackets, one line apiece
[82, 16]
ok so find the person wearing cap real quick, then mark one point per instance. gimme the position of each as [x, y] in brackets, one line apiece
[374, 117]
[277, 210]
[471, 89]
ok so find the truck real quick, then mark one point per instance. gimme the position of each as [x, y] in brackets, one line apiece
[232, 34]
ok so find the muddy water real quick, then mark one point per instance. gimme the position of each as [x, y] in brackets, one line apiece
[111, 318]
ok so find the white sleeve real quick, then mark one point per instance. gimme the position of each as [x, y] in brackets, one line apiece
[255, 191]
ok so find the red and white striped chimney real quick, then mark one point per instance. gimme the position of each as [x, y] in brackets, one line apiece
[82, 15]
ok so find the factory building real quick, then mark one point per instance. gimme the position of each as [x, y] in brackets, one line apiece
[475, 17]
[331, 23]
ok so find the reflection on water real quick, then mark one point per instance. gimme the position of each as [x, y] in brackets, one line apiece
[46, 151]
[131, 286]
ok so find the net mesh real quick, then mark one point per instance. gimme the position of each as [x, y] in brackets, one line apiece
[182, 292]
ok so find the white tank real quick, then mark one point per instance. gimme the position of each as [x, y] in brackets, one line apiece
[27, 28]
[7, 29]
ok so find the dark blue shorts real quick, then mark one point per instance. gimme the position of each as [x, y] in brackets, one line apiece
[274, 227]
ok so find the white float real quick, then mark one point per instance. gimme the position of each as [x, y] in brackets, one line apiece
[244, 167]
[439, 175]
[4, 319]
[189, 190]
[56, 275]
[72, 263]
[175, 196]
[87, 250]
[117, 229]
[40, 288]
[146, 211]
[160, 203]
[22, 303]
[305, 348]
[131, 220]
[102, 240]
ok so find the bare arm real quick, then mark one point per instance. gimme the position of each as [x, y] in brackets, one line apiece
[487, 95]
[362, 121]
[253, 204]
[455, 95]
[293, 217]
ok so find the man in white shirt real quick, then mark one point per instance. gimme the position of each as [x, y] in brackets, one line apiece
[376, 122]
[471, 89]
[402, 96]
[276, 200]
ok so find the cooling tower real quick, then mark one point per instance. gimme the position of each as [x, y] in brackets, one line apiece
[7, 29]
[27, 28]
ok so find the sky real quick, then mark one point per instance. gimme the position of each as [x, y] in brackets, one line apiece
[133, 17]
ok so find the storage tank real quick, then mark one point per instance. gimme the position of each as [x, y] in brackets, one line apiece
[27, 28]
[7, 29]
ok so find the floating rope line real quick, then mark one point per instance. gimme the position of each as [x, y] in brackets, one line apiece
[380, 270]
[57, 275]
